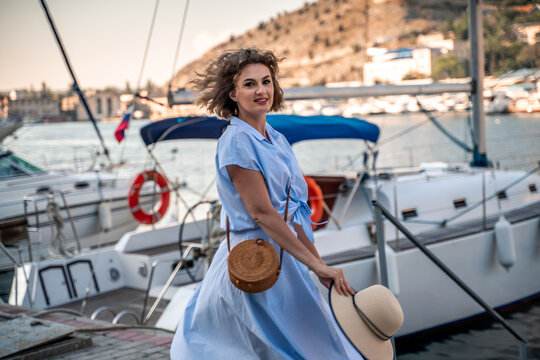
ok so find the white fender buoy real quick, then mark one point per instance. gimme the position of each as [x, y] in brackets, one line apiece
[392, 269]
[504, 239]
[105, 216]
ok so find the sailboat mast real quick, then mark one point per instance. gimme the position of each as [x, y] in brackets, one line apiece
[476, 39]
[75, 84]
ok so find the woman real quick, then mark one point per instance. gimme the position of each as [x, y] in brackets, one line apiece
[255, 167]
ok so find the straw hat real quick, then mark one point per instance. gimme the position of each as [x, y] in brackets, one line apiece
[368, 319]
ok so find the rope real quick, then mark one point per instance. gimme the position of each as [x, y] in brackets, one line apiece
[445, 222]
[179, 43]
[384, 142]
[435, 122]
[512, 184]
[150, 99]
[147, 45]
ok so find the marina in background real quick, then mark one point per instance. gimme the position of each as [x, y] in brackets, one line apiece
[464, 248]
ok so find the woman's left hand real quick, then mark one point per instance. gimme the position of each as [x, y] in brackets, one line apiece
[328, 274]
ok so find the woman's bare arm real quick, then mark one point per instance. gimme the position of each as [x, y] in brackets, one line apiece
[254, 194]
[311, 247]
[306, 241]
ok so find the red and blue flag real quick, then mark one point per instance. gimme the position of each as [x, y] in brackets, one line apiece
[124, 124]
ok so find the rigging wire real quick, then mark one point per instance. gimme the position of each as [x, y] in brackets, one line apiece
[179, 43]
[439, 126]
[384, 142]
[150, 99]
[147, 46]
[138, 86]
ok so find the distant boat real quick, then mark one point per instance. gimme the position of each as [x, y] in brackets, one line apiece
[8, 126]
[60, 205]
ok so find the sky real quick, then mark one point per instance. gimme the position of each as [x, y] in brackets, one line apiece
[105, 39]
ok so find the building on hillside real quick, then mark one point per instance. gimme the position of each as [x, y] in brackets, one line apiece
[105, 106]
[528, 33]
[30, 106]
[391, 66]
[446, 43]
[438, 40]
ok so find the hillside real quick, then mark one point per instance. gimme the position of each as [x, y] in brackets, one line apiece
[325, 41]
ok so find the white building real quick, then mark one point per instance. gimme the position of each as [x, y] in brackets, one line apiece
[33, 108]
[104, 106]
[437, 40]
[391, 66]
[527, 32]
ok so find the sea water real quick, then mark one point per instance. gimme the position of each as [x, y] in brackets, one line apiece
[513, 142]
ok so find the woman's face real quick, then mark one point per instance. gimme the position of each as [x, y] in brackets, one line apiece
[253, 91]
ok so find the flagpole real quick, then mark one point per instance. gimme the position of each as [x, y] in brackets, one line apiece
[75, 83]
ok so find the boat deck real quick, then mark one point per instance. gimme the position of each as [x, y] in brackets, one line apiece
[118, 300]
[76, 338]
[438, 235]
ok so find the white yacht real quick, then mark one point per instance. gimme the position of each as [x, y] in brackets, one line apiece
[46, 212]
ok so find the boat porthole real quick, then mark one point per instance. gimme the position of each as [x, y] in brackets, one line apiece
[502, 195]
[409, 213]
[532, 188]
[460, 203]
[43, 189]
[114, 274]
[81, 185]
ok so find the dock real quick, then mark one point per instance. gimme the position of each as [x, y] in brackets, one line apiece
[29, 334]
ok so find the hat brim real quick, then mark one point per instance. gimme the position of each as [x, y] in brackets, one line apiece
[355, 330]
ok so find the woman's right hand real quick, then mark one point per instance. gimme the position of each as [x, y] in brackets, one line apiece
[328, 274]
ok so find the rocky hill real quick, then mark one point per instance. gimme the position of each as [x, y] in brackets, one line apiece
[326, 41]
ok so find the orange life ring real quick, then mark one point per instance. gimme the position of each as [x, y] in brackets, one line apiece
[315, 197]
[133, 197]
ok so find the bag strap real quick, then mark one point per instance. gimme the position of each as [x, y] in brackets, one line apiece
[284, 218]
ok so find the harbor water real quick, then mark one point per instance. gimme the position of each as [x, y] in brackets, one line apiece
[513, 142]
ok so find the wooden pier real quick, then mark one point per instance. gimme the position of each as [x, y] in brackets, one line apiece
[27, 335]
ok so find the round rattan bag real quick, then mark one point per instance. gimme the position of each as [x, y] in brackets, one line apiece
[253, 265]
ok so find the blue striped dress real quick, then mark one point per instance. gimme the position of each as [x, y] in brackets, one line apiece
[291, 320]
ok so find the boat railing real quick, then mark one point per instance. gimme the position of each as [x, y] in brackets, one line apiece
[177, 268]
[381, 211]
[53, 211]
[16, 266]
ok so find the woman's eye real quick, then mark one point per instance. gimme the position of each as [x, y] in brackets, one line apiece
[267, 81]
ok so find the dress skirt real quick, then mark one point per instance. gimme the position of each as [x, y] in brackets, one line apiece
[291, 320]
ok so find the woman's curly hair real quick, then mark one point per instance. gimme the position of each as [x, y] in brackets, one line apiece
[219, 79]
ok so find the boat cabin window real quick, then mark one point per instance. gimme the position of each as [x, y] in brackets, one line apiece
[409, 213]
[460, 203]
[502, 195]
[12, 165]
